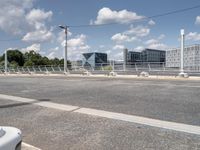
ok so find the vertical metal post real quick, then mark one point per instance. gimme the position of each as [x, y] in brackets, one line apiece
[182, 51]
[125, 52]
[65, 52]
[6, 62]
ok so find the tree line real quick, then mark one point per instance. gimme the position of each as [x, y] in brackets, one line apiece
[16, 58]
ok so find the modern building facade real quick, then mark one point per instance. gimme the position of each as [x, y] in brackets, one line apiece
[191, 57]
[134, 56]
[147, 55]
[153, 55]
[94, 59]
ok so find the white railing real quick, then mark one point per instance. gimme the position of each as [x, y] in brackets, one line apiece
[130, 68]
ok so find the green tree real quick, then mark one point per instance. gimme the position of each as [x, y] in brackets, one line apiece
[14, 56]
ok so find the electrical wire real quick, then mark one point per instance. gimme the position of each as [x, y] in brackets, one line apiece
[139, 20]
[114, 23]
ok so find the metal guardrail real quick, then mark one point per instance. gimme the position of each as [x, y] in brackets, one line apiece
[104, 68]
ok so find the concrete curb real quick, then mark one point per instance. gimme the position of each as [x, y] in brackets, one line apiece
[103, 76]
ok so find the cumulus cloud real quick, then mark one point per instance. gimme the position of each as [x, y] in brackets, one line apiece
[120, 38]
[18, 17]
[119, 47]
[158, 46]
[151, 41]
[133, 34]
[194, 36]
[77, 46]
[61, 36]
[34, 47]
[162, 36]
[139, 48]
[139, 31]
[151, 22]
[197, 20]
[106, 15]
[12, 15]
[156, 43]
[38, 36]
[38, 15]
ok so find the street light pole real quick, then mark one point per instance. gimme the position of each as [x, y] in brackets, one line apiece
[6, 62]
[65, 28]
[182, 73]
[182, 51]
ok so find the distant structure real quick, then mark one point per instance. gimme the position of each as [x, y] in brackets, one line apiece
[94, 59]
[191, 57]
[134, 56]
[147, 55]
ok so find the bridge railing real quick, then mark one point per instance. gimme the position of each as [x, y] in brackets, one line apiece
[153, 68]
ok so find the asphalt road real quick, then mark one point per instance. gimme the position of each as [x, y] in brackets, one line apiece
[169, 100]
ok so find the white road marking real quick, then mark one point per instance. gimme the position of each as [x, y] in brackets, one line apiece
[40, 103]
[26, 146]
[142, 120]
[112, 115]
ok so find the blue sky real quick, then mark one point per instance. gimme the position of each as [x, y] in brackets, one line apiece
[33, 24]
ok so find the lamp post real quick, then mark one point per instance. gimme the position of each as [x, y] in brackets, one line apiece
[65, 28]
[182, 73]
[182, 49]
[6, 62]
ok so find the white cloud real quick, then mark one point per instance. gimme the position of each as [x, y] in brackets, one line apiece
[151, 41]
[55, 49]
[194, 36]
[34, 47]
[160, 46]
[38, 15]
[151, 22]
[119, 47]
[162, 36]
[139, 31]
[139, 48]
[197, 20]
[101, 46]
[51, 55]
[120, 38]
[77, 46]
[133, 34]
[17, 17]
[106, 15]
[12, 15]
[155, 43]
[61, 36]
[38, 36]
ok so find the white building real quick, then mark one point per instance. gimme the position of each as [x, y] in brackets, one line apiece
[191, 57]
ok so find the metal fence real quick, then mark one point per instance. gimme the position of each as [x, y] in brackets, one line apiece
[105, 68]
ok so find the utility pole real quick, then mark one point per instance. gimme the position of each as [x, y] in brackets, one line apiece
[65, 28]
[6, 62]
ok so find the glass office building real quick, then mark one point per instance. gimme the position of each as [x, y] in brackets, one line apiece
[94, 59]
[147, 55]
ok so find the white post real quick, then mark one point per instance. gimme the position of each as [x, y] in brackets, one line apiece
[182, 74]
[65, 53]
[6, 62]
[182, 51]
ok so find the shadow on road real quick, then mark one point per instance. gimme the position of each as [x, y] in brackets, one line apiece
[24, 103]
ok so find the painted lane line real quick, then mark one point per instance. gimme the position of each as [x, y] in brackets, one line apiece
[57, 106]
[29, 147]
[40, 103]
[112, 115]
[142, 120]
